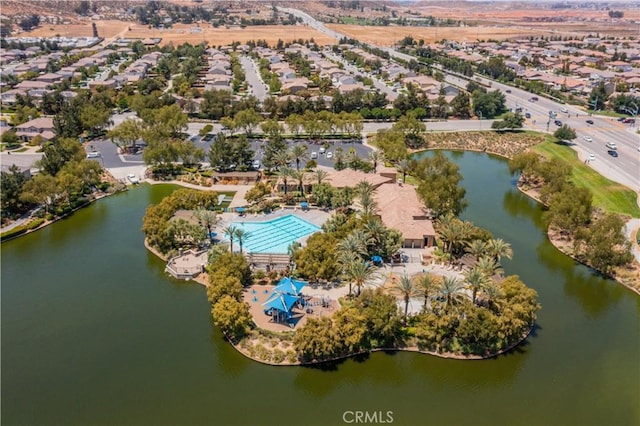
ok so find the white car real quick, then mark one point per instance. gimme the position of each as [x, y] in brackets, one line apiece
[314, 155]
[329, 154]
[563, 109]
[587, 138]
[93, 154]
[133, 179]
[592, 157]
[611, 145]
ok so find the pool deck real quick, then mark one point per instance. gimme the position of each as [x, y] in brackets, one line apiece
[314, 216]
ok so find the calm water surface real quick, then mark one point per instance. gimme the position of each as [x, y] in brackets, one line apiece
[93, 332]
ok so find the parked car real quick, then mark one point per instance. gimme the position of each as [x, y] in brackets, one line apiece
[558, 123]
[527, 115]
[322, 150]
[611, 145]
[587, 138]
[508, 90]
[133, 179]
[613, 153]
[628, 121]
[314, 155]
[94, 154]
[589, 121]
[563, 109]
[256, 164]
[592, 157]
[329, 154]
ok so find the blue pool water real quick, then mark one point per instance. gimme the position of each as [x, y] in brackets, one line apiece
[276, 235]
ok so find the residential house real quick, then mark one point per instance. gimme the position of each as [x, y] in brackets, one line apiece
[42, 126]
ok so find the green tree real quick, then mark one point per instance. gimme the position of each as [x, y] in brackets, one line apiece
[598, 97]
[350, 326]
[461, 105]
[438, 185]
[391, 143]
[498, 248]
[476, 280]
[412, 129]
[12, 183]
[41, 190]
[318, 259]
[570, 209]
[126, 134]
[230, 232]
[452, 289]
[299, 153]
[359, 273]
[316, 340]
[232, 316]
[565, 133]
[247, 120]
[427, 284]
[273, 129]
[383, 319]
[510, 121]
[525, 163]
[406, 289]
[603, 244]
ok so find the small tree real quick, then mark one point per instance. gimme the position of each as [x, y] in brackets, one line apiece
[565, 133]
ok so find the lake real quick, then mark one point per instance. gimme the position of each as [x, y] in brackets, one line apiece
[94, 332]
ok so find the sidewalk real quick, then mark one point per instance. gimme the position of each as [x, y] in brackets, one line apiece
[631, 226]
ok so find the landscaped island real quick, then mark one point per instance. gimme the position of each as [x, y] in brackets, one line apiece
[466, 309]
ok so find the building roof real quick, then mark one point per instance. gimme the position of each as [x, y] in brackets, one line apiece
[348, 177]
[40, 123]
[400, 208]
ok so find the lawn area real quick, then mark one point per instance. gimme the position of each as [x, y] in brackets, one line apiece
[608, 195]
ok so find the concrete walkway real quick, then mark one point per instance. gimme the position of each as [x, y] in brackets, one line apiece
[631, 226]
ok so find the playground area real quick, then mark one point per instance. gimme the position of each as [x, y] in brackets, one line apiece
[313, 305]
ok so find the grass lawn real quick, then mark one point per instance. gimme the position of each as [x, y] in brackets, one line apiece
[608, 195]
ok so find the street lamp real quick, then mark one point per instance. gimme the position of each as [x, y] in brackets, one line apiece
[633, 111]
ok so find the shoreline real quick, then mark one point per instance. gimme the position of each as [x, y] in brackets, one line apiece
[446, 355]
[410, 349]
[50, 222]
[555, 242]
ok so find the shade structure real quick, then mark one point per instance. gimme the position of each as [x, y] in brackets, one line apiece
[304, 205]
[240, 209]
[288, 285]
[213, 234]
[281, 302]
[376, 259]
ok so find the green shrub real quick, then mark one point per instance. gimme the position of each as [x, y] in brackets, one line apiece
[278, 356]
[18, 230]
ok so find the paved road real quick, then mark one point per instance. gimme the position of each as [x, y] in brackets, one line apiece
[379, 84]
[252, 75]
[624, 169]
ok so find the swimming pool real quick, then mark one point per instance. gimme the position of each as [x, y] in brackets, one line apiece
[276, 235]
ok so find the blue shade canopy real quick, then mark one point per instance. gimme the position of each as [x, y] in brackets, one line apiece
[304, 204]
[240, 209]
[213, 234]
[288, 285]
[281, 302]
[376, 259]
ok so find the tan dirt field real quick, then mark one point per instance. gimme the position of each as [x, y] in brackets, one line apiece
[386, 36]
[181, 33]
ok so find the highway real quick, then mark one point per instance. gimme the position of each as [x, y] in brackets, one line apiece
[624, 169]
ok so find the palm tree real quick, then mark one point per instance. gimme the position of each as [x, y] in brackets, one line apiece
[476, 281]
[375, 230]
[451, 288]
[492, 292]
[427, 283]
[285, 173]
[281, 159]
[363, 188]
[375, 157]
[299, 153]
[359, 273]
[368, 204]
[403, 167]
[406, 289]
[320, 175]
[499, 248]
[206, 218]
[489, 266]
[477, 248]
[454, 233]
[241, 235]
[230, 231]
[299, 175]
[353, 246]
